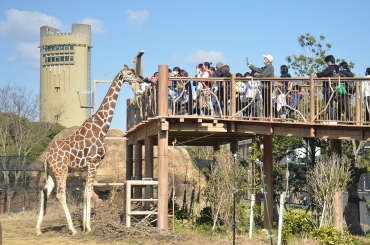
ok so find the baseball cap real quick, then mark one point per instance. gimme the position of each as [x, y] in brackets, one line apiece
[219, 65]
[269, 57]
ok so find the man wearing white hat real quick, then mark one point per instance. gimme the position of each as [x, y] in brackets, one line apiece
[266, 71]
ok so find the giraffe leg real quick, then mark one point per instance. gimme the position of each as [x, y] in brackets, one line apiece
[61, 196]
[86, 222]
[45, 193]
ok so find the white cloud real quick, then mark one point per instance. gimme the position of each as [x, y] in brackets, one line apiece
[201, 56]
[27, 53]
[24, 26]
[96, 25]
[137, 18]
[175, 56]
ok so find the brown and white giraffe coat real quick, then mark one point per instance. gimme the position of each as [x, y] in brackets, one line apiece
[84, 149]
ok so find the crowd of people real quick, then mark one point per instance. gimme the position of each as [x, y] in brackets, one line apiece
[202, 97]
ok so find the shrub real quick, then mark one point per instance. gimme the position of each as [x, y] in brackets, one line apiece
[328, 235]
[296, 222]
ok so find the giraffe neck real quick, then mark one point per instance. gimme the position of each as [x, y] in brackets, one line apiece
[103, 116]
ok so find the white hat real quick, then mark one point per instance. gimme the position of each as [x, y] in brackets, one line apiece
[269, 57]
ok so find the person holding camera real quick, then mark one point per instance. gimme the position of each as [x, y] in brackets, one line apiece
[266, 71]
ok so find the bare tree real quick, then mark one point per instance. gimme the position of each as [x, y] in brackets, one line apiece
[329, 175]
[220, 185]
[19, 132]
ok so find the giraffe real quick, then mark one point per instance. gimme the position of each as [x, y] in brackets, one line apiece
[83, 149]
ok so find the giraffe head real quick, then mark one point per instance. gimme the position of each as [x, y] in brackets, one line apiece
[129, 76]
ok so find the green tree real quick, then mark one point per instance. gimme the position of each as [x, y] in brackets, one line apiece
[312, 56]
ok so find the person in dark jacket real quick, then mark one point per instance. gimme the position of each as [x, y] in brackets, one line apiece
[216, 103]
[343, 99]
[266, 71]
[218, 70]
[281, 90]
[331, 71]
[225, 88]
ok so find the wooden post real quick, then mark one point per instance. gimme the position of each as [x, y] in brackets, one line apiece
[336, 147]
[149, 164]
[129, 160]
[162, 150]
[271, 106]
[138, 171]
[233, 97]
[268, 168]
[130, 117]
[312, 99]
[358, 103]
[234, 146]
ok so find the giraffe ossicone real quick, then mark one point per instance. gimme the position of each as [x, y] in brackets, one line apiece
[83, 149]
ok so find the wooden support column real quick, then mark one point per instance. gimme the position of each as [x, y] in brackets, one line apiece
[129, 160]
[138, 170]
[312, 98]
[267, 169]
[359, 104]
[162, 222]
[234, 146]
[149, 161]
[336, 147]
[233, 97]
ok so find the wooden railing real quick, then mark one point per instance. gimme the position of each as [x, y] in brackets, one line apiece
[300, 100]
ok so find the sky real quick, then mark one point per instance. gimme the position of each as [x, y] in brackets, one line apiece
[180, 33]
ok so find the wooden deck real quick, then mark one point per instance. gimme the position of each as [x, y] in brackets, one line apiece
[150, 123]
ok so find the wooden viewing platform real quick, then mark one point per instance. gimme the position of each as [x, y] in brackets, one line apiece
[150, 122]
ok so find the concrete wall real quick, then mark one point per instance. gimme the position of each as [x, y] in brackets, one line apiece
[60, 79]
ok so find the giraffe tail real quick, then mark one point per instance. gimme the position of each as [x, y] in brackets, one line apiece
[44, 193]
[45, 196]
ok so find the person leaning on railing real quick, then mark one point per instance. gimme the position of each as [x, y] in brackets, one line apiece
[180, 97]
[266, 71]
[331, 71]
[249, 96]
[281, 91]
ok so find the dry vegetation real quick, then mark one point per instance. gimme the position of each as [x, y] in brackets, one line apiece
[106, 229]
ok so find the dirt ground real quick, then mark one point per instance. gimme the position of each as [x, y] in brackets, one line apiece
[20, 229]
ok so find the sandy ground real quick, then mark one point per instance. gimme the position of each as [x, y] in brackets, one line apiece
[20, 229]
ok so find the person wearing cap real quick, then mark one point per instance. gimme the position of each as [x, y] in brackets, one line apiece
[266, 71]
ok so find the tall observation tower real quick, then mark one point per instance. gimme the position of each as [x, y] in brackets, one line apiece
[65, 72]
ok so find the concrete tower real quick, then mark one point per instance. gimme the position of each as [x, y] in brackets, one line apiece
[65, 70]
